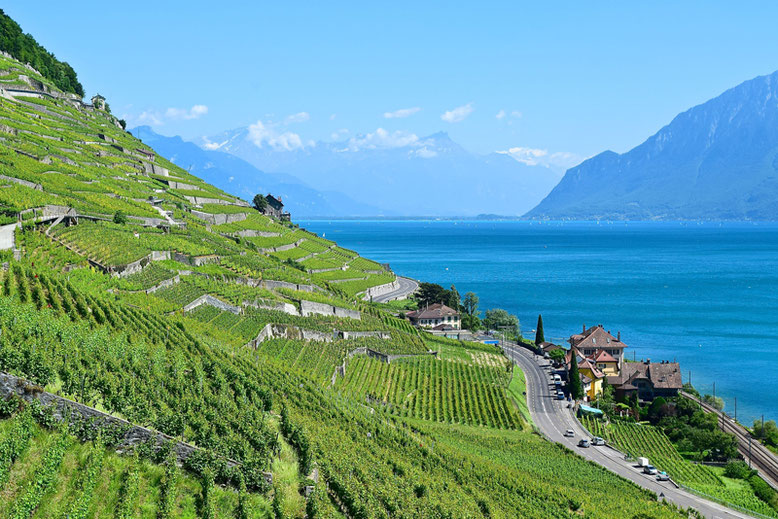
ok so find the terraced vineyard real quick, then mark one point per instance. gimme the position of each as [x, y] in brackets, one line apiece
[420, 437]
[432, 389]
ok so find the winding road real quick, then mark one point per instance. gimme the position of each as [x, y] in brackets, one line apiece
[553, 418]
[406, 287]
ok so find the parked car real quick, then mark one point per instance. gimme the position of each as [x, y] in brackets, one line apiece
[569, 433]
[597, 441]
[583, 443]
[560, 395]
[650, 470]
[662, 476]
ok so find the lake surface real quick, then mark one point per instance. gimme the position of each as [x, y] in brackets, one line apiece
[705, 295]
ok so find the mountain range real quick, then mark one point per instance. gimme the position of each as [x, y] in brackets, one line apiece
[716, 161]
[238, 177]
[401, 174]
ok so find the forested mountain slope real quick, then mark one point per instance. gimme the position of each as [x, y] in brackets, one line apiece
[146, 294]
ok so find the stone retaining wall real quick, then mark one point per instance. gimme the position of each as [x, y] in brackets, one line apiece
[164, 284]
[25, 183]
[219, 218]
[250, 233]
[62, 408]
[310, 308]
[209, 300]
[278, 306]
[380, 290]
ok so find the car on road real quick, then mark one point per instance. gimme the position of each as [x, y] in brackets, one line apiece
[560, 395]
[583, 443]
[569, 433]
[597, 441]
[650, 470]
[662, 476]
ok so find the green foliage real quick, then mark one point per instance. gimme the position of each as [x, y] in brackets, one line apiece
[715, 401]
[738, 470]
[767, 434]
[24, 48]
[574, 379]
[260, 203]
[539, 336]
[119, 218]
[497, 318]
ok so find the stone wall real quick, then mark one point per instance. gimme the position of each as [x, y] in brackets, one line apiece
[164, 284]
[25, 183]
[357, 335]
[62, 408]
[380, 290]
[287, 331]
[219, 218]
[208, 299]
[250, 233]
[310, 308]
[278, 306]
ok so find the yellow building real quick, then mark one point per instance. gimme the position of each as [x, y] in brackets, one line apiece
[591, 377]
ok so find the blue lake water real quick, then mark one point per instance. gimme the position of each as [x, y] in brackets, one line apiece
[705, 295]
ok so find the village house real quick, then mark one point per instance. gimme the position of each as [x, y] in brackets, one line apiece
[593, 339]
[591, 376]
[648, 380]
[436, 317]
[98, 102]
[275, 208]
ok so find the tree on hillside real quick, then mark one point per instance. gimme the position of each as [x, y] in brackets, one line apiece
[431, 293]
[260, 203]
[557, 355]
[574, 379]
[119, 217]
[715, 401]
[470, 316]
[539, 337]
[497, 319]
[453, 298]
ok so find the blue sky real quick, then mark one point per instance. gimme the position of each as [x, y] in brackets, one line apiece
[573, 79]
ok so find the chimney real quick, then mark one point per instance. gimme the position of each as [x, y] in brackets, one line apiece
[584, 328]
[618, 337]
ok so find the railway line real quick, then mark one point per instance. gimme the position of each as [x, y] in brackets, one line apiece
[760, 458]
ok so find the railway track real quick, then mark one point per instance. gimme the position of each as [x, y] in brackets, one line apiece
[761, 458]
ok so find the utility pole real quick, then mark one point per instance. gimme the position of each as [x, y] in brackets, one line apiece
[690, 377]
[714, 393]
[736, 409]
[749, 451]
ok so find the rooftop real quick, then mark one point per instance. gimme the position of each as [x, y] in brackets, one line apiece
[434, 311]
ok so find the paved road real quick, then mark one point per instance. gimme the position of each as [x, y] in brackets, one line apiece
[407, 286]
[7, 236]
[553, 418]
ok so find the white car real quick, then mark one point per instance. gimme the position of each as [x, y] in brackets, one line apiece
[650, 470]
[597, 441]
[662, 476]
[584, 443]
[569, 433]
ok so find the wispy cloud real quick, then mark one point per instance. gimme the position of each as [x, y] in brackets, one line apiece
[502, 114]
[299, 117]
[266, 133]
[458, 114]
[382, 139]
[537, 156]
[195, 112]
[402, 113]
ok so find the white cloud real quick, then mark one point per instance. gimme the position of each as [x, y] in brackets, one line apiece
[333, 116]
[426, 153]
[458, 114]
[195, 112]
[208, 145]
[502, 114]
[382, 139]
[536, 156]
[149, 117]
[402, 113]
[261, 133]
[338, 134]
[299, 117]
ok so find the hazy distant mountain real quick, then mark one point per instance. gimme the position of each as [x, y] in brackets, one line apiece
[240, 178]
[718, 160]
[431, 176]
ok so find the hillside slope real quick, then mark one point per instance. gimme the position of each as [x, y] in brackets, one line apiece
[718, 160]
[143, 293]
